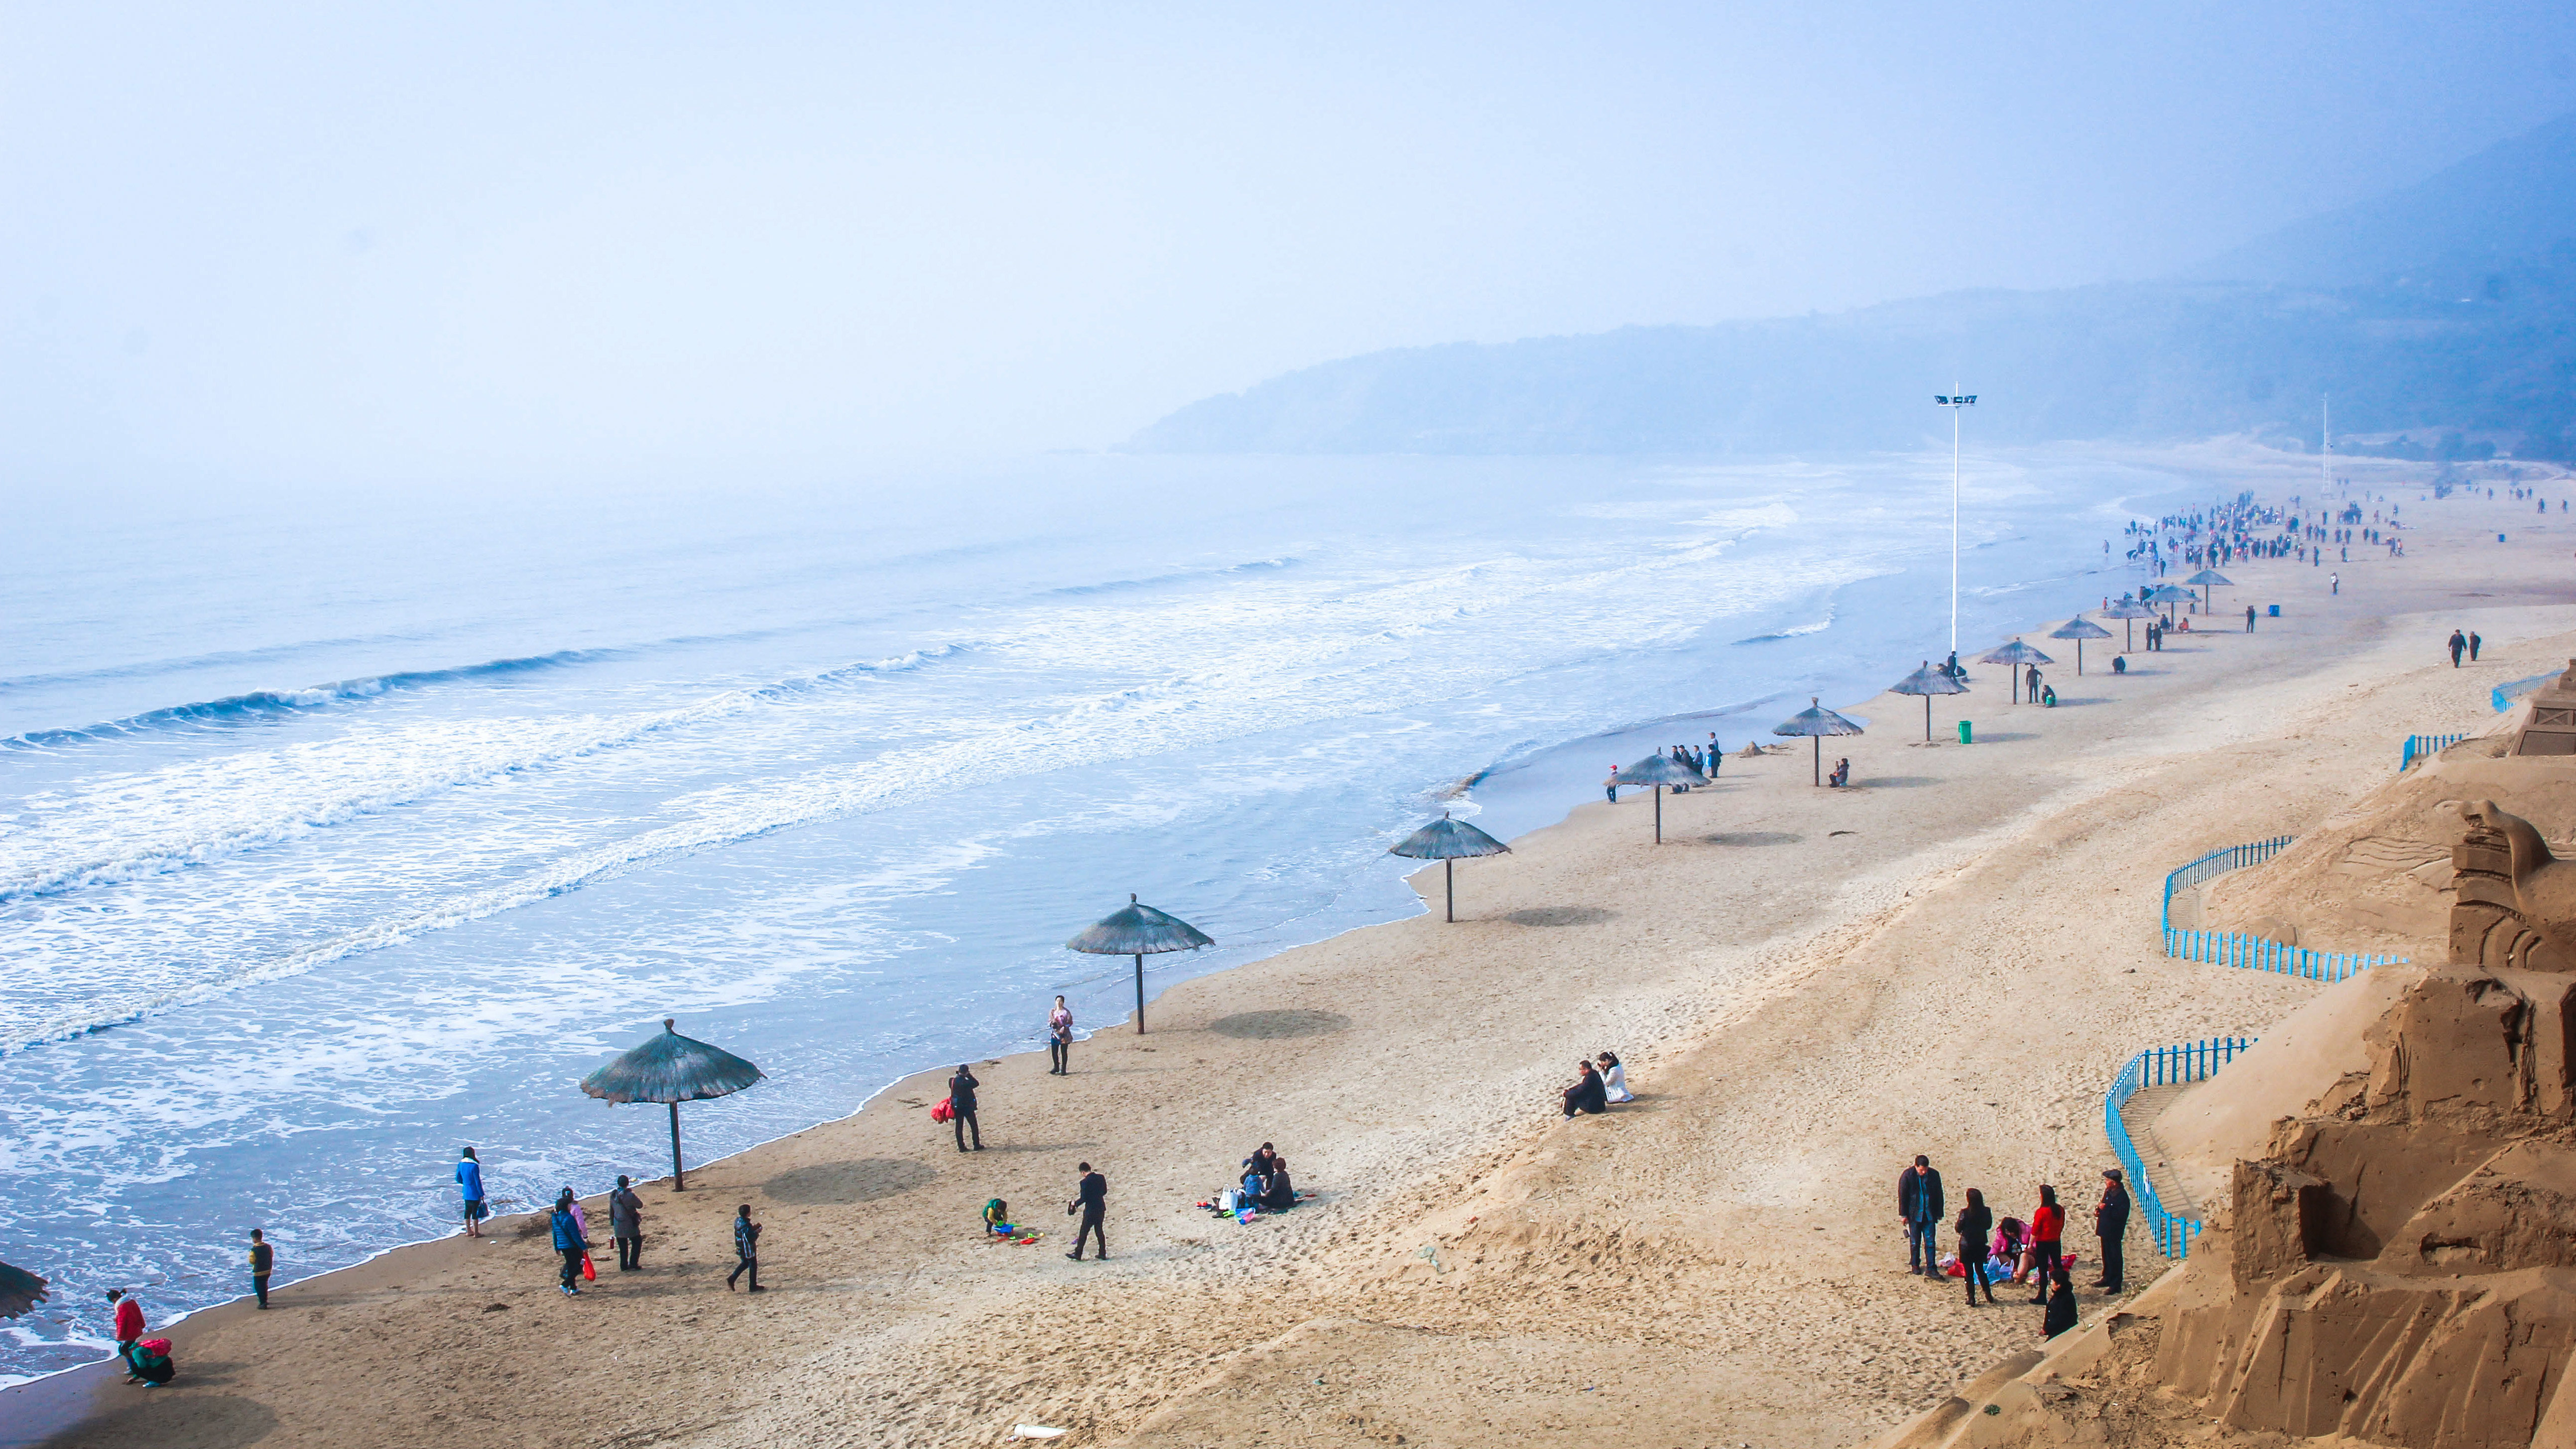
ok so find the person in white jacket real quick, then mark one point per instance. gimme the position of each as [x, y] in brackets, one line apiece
[1614, 1078]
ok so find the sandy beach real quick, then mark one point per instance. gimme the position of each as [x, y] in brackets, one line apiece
[1808, 986]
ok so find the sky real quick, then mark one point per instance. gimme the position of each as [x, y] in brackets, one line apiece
[351, 246]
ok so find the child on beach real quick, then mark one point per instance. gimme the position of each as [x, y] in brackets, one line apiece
[746, 1250]
[469, 1186]
[129, 1323]
[263, 1259]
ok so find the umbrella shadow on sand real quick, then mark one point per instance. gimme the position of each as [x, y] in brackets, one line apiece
[1560, 916]
[1275, 1025]
[202, 1421]
[863, 1180]
[1753, 837]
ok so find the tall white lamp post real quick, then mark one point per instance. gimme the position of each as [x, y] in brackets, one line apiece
[1954, 402]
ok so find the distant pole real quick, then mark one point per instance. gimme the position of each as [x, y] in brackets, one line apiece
[1449, 875]
[2325, 445]
[678, 1183]
[1954, 402]
[1140, 993]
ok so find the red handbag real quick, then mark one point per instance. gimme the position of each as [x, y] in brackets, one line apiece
[589, 1274]
[941, 1111]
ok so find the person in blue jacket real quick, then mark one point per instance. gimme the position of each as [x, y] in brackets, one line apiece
[469, 1186]
[568, 1242]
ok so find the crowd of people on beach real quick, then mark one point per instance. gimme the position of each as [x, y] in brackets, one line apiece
[2031, 1249]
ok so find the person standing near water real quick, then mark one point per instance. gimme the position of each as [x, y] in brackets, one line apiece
[1060, 1039]
[1610, 787]
[568, 1242]
[2249, 618]
[263, 1260]
[469, 1186]
[626, 1225]
[961, 1107]
[1715, 754]
[1091, 1199]
[746, 1249]
[1918, 1206]
[129, 1324]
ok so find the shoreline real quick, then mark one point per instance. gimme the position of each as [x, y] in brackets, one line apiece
[1589, 825]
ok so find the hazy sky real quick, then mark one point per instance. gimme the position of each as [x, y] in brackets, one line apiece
[348, 244]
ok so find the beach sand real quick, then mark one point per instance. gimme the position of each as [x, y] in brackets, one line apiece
[1808, 986]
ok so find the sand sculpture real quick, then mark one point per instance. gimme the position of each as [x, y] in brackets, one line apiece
[2398, 1266]
[2549, 720]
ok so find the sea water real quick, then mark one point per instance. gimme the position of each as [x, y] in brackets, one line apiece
[341, 829]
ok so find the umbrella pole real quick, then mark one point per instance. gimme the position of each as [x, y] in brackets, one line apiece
[678, 1183]
[1927, 719]
[1659, 812]
[2079, 659]
[1449, 869]
[1140, 993]
[1819, 743]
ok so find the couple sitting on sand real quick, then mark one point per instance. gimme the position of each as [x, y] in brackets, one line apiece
[1266, 1184]
[1597, 1086]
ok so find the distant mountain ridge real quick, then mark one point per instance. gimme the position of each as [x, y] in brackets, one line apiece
[2455, 332]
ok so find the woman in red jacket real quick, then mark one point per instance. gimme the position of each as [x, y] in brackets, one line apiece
[2047, 1226]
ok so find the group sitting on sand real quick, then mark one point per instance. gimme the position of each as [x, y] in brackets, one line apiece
[1599, 1084]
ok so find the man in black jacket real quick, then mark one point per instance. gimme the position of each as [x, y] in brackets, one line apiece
[2111, 1225]
[1091, 1196]
[1919, 1207]
[961, 1105]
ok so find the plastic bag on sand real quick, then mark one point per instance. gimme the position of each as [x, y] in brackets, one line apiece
[1035, 1431]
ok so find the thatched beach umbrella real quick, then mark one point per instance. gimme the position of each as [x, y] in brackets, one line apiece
[1448, 842]
[2205, 578]
[2128, 611]
[2016, 655]
[1656, 771]
[1139, 931]
[1815, 722]
[20, 1291]
[1927, 682]
[2080, 629]
[672, 1069]
[2168, 595]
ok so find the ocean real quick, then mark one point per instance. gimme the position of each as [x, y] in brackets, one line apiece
[341, 828]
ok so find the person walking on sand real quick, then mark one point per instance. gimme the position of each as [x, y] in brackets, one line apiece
[961, 1107]
[2047, 1228]
[469, 1186]
[2249, 618]
[1975, 1221]
[1919, 1206]
[566, 1225]
[2111, 1225]
[2334, 582]
[2458, 646]
[626, 1225]
[746, 1249]
[263, 1261]
[2474, 642]
[129, 1324]
[1060, 1039]
[1091, 1199]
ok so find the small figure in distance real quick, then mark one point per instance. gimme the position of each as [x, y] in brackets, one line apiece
[2249, 618]
[1610, 787]
[2474, 642]
[1060, 1039]
[2458, 645]
[469, 1186]
[746, 1249]
[1841, 775]
[263, 1259]
[1614, 1079]
[961, 1106]
[2119, 664]
[1091, 1199]
[1919, 1206]
[1587, 1094]
[626, 1225]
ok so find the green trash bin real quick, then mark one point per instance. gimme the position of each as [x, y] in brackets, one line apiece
[1964, 734]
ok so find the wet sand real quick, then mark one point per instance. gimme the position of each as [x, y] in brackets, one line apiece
[1808, 986]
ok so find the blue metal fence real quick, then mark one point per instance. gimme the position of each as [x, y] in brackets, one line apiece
[2254, 953]
[2424, 747]
[2155, 1067]
[2505, 694]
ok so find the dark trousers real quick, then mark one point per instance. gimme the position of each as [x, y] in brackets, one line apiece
[743, 1263]
[964, 1121]
[1091, 1229]
[2114, 1264]
[1059, 1056]
[630, 1252]
[1922, 1247]
[259, 1285]
[571, 1265]
[1977, 1278]
[2046, 1259]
